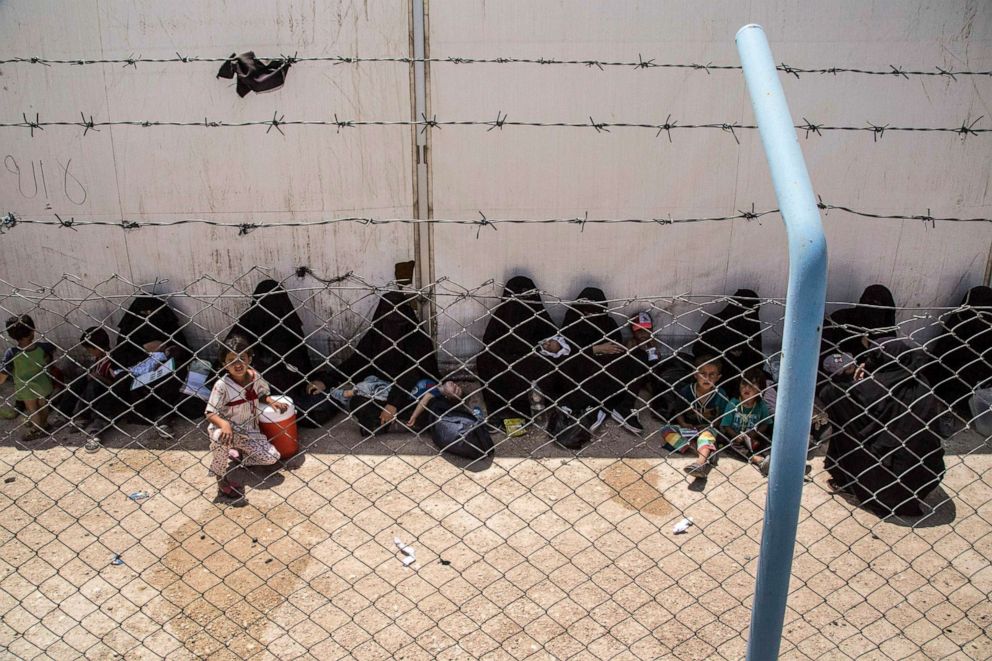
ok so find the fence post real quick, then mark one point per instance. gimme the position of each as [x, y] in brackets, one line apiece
[800, 342]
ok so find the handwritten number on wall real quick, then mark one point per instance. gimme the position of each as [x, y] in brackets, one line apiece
[28, 184]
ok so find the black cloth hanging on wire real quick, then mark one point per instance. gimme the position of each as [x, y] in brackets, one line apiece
[254, 75]
[275, 330]
[509, 362]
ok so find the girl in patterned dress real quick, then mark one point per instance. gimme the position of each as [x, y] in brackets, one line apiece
[232, 412]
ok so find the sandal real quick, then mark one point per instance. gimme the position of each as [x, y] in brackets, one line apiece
[230, 490]
[92, 444]
[34, 433]
[698, 470]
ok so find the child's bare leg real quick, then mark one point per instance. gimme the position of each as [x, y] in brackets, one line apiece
[42, 414]
[32, 406]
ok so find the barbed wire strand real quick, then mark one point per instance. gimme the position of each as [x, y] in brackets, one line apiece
[890, 70]
[278, 121]
[11, 220]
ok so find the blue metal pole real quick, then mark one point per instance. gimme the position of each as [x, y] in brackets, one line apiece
[800, 343]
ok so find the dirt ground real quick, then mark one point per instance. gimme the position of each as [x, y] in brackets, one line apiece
[537, 554]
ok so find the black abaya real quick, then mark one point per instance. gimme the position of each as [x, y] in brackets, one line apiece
[275, 331]
[885, 450]
[590, 380]
[510, 363]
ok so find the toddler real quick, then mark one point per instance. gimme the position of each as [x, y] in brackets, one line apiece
[232, 412]
[747, 420]
[706, 402]
[28, 364]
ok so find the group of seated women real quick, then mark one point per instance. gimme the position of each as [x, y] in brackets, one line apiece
[881, 395]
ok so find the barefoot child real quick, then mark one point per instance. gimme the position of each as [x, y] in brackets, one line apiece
[233, 415]
[747, 420]
[705, 403]
[28, 364]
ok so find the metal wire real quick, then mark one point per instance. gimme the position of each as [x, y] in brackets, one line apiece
[639, 63]
[532, 550]
[277, 122]
[10, 220]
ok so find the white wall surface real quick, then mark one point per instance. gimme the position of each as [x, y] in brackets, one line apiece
[245, 175]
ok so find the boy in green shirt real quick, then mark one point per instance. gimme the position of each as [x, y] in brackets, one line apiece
[28, 364]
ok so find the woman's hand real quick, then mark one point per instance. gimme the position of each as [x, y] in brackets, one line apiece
[226, 433]
[609, 348]
[316, 386]
[388, 414]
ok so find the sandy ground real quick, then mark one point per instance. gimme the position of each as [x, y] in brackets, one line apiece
[537, 554]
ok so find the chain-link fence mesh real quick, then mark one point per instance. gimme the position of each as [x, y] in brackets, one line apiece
[527, 508]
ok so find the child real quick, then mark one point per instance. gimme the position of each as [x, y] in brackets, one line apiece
[95, 400]
[747, 420]
[450, 390]
[28, 364]
[706, 403]
[233, 415]
[641, 339]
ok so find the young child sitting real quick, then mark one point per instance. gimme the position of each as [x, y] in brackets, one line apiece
[747, 420]
[233, 415]
[705, 403]
[95, 400]
[28, 364]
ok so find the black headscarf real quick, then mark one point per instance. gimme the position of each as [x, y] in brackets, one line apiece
[874, 313]
[588, 322]
[272, 325]
[518, 322]
[396, 347]
[147, 319]
[736, 328]
[966, 345]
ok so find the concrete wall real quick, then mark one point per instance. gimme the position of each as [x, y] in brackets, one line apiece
[244, 175]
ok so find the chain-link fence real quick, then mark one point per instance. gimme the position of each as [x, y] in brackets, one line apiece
[483, 472]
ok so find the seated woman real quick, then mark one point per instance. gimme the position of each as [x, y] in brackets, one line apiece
[508, 365]
[149, 336]
[275, 330]
[734, 335]
[599, 373]
[884, 449]
[875, 311]
[397, 350]
[964, 350]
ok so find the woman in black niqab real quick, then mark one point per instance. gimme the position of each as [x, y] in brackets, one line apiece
[885, 450]
[509, 363]
[964, 350]
[149, 324]
[875, 312]
[275, 330]
[599, 372]
[734, 335]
